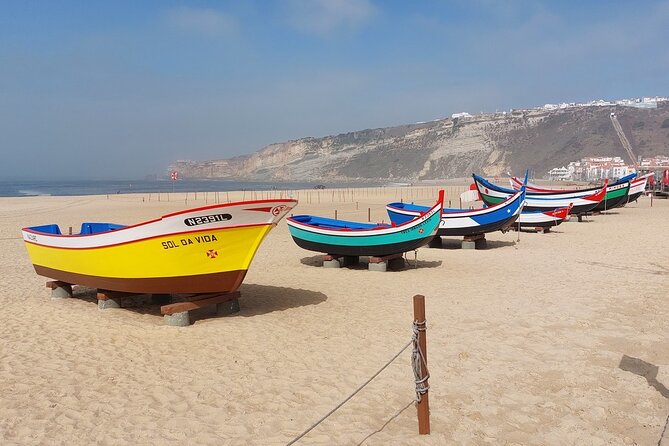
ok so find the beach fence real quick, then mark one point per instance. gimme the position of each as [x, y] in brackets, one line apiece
[419, 366]
[359, 195]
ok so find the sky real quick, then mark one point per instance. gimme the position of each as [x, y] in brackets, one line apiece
[121, 89]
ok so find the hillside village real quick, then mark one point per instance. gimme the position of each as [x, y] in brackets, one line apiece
[598, 168]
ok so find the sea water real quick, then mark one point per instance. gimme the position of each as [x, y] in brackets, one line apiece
[107, 187]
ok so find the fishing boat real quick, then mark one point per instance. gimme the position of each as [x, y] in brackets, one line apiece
[582, 202]
[617, 193]
[638, 187]
[202, 250]
[616, 196]
[463, 222]
[543, 219]
[347, 238]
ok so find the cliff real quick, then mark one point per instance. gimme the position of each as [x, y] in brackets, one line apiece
[489, 144]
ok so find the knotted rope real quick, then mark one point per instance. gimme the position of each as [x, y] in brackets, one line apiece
[418, 362]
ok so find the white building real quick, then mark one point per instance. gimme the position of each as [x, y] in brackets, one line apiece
[560, 174]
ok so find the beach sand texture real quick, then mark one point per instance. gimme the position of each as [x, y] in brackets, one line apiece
[541, 339]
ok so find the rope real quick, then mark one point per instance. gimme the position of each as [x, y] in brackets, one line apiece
[353, 394]
[418, 361]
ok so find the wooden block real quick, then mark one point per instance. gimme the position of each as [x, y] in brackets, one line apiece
[328, 257]
[381, 259]
[53, 284]
[473, 238]
[209, 299]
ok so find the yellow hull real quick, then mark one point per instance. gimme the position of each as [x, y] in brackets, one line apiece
[205, 261]
[188, 254]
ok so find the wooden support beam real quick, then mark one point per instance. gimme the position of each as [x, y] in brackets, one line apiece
[53, 284]
[375, 259]
[328, 257]
[473, 238]
[108, 294]
[209, 299]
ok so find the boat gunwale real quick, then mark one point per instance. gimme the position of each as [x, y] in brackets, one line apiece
[159, 219]
[136, 240]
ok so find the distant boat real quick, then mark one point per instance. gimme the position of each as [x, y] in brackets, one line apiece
[543, 219]
[347, 238]
[617, 193]
[207, 249]
[465, 222]
[582, 202]
[638, 187]
[397, 185]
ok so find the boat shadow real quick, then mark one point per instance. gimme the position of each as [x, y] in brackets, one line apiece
[456, 244]
[254, 300]
[409, 263]
[262, 299]
[532, 231]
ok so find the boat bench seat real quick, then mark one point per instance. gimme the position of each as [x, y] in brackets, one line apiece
[46, 229]
[96, 228]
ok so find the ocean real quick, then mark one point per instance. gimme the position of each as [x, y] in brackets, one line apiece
[105, 187]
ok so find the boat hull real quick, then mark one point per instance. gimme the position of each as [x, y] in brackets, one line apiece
[187, 252]
[226, 281]
[342, 238]
[461, 222]
[366, 250]
[539, 219]
[637, 188]
[616, 196]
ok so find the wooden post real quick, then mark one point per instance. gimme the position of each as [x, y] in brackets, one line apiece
[335, 214]
[369, 214]
[423, 406]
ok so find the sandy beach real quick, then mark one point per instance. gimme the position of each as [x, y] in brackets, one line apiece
[540, 339]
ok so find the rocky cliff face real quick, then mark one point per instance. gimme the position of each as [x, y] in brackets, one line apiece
[490, 144]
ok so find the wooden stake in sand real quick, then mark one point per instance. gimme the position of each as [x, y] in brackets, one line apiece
[420, 365]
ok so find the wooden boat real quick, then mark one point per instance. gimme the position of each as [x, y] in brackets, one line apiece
[346, 238]
[638, 187]
[543, 219]
[582, 202]
[617, 193]
[462, 222]
[208, 249]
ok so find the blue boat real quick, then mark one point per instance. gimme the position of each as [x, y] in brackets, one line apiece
[347, 238]
[462, 222]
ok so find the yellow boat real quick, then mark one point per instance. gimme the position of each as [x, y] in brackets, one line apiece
[202, 250]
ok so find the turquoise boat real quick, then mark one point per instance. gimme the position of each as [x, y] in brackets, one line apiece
[347, 238]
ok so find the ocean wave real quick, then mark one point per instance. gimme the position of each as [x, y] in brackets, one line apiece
[33, 193]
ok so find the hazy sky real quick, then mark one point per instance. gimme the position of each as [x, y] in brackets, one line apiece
[119, 89]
